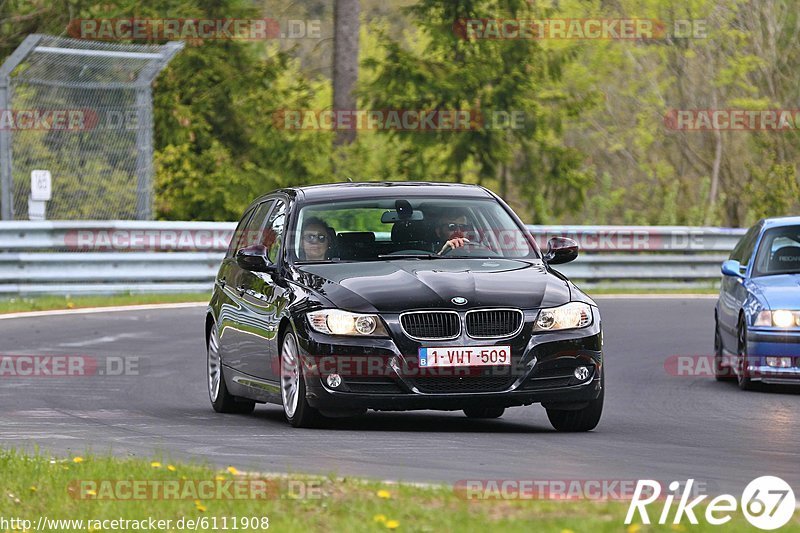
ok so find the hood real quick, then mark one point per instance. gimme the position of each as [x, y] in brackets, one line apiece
[781, 291]
[398, 285]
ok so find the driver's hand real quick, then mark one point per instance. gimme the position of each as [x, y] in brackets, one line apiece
[452, 244]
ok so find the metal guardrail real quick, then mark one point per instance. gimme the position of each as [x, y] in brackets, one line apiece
[133, 256]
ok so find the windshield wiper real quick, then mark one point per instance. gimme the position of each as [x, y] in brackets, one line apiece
[409, 256]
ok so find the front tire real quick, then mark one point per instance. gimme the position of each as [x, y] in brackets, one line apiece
[579, 420]
[221, 400]
[745, 383]
[298, 412]
[721, 372]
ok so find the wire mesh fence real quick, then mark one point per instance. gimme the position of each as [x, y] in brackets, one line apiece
[83, 111]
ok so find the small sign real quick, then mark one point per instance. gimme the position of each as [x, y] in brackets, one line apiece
[36, 209]
[41, 185]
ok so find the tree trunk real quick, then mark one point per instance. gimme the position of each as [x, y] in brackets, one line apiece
[345, 61]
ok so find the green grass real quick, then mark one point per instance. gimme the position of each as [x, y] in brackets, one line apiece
[34, 485]
[16, 304]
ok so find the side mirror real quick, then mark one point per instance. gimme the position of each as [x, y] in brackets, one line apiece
[560, 250]
[731, 267]
[254, 258]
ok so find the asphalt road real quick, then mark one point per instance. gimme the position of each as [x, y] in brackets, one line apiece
[655, 425]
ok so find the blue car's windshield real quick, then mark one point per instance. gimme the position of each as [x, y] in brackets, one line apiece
[428, 227]
[779, 252]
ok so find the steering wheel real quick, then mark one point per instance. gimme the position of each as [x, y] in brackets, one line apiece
[471, 248]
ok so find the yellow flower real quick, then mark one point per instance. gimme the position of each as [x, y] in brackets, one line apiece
[155, 464]
[219, 478]
[171, 468]
[77, 459]
[392, 524]
[91, 492]
[567, 531]
[379, 518]
[678, 527]
[633, 528]
[233, 470]
[34, 489]
[385, 494]
[199, 506]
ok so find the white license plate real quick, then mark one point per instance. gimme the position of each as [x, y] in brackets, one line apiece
[448, 356]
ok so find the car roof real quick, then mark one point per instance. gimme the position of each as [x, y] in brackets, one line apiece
[777, 222]
[357, 190]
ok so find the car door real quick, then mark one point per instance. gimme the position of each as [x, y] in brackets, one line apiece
[734, 290]
[263, 300]
[226, 318]
[242, 334]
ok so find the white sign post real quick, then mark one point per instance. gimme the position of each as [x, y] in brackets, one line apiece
[41, 193]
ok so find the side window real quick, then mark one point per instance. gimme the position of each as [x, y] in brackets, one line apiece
[740, 252]
[747, 251]
[273, 231]
[238, 234]
[252, 233]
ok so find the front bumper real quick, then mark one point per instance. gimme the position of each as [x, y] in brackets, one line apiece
[772, 342]
[382, 374]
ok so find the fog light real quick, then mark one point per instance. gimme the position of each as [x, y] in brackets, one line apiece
[779, 362]
[334, 380]
[581, 373]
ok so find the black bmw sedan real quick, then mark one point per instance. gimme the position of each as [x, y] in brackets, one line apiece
[335, 299]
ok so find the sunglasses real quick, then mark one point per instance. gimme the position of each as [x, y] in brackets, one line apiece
[311, 238]
[457, 227]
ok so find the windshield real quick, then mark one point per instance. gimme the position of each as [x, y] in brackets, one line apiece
[779, 252]
[393, 228]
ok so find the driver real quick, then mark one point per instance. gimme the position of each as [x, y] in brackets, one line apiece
[451, 226]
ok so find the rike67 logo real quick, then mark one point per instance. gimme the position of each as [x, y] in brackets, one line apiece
[767, 502]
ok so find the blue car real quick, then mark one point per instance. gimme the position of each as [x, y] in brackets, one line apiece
[757, 330]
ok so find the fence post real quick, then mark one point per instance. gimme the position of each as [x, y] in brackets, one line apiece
[144, 153]
[6, 177]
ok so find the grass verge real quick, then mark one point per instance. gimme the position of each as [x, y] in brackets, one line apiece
[35, 485]
[16, 304]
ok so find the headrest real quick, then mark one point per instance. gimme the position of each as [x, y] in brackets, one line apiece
[785, 259]
[409, 231]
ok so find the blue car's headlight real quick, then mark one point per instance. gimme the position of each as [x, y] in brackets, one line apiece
[338, 322]
[569, 316]
[780, 318]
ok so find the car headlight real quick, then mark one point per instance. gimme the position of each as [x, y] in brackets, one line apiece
[338, 322]
[780, 318]
[569, 316]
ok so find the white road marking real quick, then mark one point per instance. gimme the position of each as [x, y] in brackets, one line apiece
[103, 340]
[93, 310]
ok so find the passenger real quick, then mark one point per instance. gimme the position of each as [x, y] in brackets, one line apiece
[317, 238]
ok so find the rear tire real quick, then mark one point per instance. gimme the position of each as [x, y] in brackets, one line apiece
[579, 420]
[484, 412]
[298, 412]
[221, 400]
